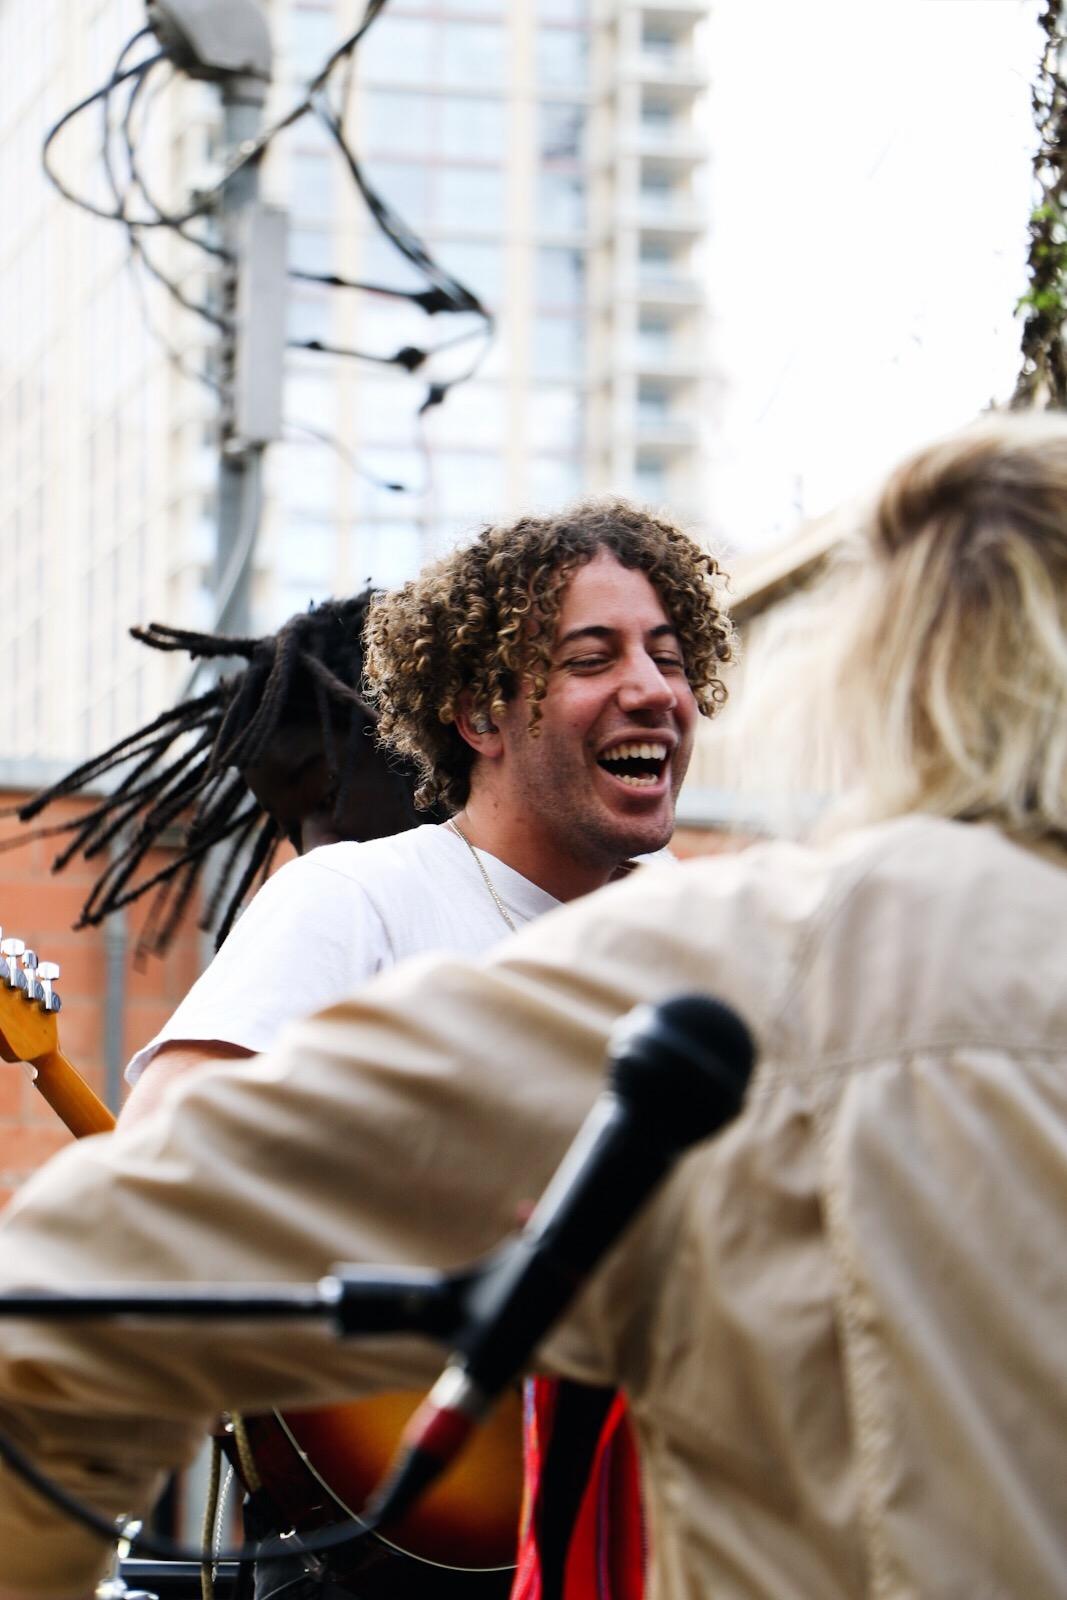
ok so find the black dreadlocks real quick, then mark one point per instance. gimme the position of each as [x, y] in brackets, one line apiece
[315, 659]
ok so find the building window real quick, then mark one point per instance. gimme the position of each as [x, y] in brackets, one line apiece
[562, 10]
[650, 477]
[311, 397]
[554, 419]
[656, 261]
[390, 475]
[559, 277]
[562, 58]
[653, 402]
[305, 475]
[467, 196]
[560, 202]
[561, 132]
[653, 337]
[473, 414]
[658, 41]
[473, 128]
[309, 314]
[477, 266]
[386, 406]
[468, 484]
[307, 552]
[657, 116]
[311, 249]
[381, 262]
[398, 50]
[557, 347]
[312, 186]
[312, 36]
[397, 124]
[472, 54]
[405, 187]
[553, 482]
[386, 554]
[657, 192]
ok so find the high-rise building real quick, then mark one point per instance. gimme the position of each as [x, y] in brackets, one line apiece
[550, 153]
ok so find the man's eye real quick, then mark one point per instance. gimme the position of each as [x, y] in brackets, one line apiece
[587, 662]
[670, 662]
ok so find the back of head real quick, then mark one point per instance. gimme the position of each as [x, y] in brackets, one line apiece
[934, 677]
[962, 657]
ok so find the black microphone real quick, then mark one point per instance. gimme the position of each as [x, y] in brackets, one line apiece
[677, 1073]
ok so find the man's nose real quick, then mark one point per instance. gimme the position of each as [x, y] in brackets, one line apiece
[644, 687]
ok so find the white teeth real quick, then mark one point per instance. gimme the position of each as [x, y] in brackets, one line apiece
[635, 783]
[646, 752]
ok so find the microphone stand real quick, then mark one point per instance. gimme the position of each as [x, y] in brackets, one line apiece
[355, 1300]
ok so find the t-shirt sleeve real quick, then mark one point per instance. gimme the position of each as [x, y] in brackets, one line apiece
[309, 938]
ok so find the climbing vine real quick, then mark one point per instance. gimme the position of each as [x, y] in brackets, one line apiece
[1042, 377]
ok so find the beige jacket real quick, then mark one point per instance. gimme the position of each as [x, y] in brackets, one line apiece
[843, 1326]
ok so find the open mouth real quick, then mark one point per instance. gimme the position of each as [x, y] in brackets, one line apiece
[641, 765]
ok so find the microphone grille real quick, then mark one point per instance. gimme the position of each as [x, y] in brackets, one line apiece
[683, 1065]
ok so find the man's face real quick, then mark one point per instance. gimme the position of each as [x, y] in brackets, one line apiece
[598, 782]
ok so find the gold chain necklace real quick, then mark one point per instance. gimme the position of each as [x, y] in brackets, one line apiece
[486, 879]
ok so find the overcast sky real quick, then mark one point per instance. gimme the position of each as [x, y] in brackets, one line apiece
[871, 184]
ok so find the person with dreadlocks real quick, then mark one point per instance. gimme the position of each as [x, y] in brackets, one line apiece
[283, 749]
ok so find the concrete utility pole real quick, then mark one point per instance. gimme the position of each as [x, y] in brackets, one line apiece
[228, 42]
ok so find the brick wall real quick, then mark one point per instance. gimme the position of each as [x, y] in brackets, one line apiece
[40, 906]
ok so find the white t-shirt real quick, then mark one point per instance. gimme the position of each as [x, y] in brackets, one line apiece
[330, 920]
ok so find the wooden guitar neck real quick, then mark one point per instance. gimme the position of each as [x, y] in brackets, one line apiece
[28, 1009]
[70, 1097]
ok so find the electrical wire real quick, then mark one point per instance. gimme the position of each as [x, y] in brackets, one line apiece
[114, 215]
[349, 457]
[392, 224]
[137, 252]
[443, 293]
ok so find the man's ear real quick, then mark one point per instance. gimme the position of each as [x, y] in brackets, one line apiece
[476, 727]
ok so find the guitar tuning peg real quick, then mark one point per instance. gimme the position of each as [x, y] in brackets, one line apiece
[12, 974]
[34, 989]
[47, 973]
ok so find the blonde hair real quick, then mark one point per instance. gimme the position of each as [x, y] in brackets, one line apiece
[933, 671]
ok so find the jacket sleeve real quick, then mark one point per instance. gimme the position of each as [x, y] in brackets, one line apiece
[410, 1124]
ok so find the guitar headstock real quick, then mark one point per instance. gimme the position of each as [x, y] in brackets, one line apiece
[28, 1003]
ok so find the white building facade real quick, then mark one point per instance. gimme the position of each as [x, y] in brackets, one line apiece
[551, 153]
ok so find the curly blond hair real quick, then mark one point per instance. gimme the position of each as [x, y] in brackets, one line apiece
[483, 619]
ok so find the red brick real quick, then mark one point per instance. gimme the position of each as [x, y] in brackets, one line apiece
[23, 1149]
[82, 962]
[39, 907]
[12, 1079]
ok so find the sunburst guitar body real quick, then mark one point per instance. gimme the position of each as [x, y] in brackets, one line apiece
[319, 1467]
